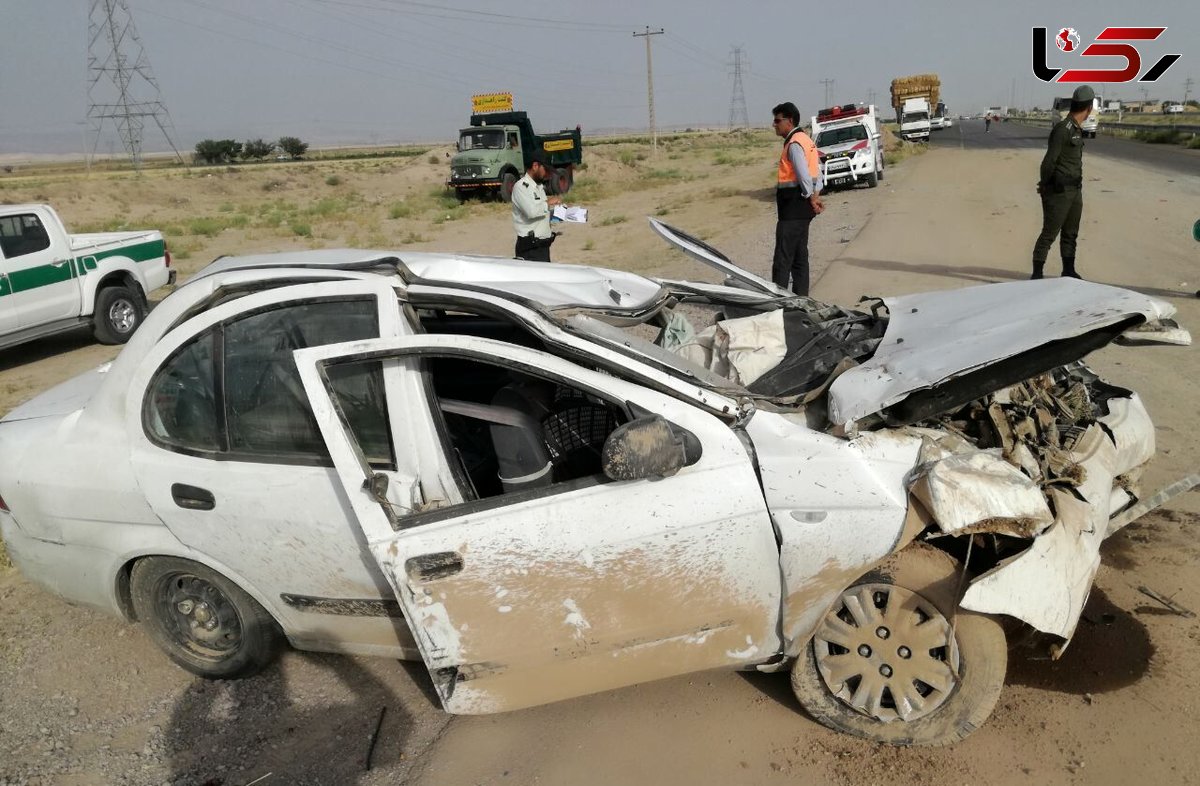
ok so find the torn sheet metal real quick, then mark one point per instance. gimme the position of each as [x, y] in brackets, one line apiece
[1047, 584]
[979, 491]
[699, 250]
[937, 336]
[739, 349]
[1181, 486]
[1157, 332]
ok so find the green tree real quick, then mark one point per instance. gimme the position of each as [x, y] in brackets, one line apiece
[217, 151]
[258, 149]
[293, 146]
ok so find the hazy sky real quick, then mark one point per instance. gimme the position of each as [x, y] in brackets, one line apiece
[362, 71]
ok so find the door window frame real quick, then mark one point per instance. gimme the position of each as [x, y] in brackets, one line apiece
[389, 321]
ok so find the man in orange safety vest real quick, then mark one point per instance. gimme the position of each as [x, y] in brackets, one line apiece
[797, 198]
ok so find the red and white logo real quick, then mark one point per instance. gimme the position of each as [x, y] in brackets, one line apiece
[1112, 42]
[1067, 39]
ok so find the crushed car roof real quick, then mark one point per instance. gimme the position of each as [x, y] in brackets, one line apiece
[553, 285]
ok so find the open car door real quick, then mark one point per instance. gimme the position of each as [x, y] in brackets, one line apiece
[530, 596]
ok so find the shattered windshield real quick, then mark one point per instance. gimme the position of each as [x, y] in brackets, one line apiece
[627, 340]
[777, 353]
[482, 139]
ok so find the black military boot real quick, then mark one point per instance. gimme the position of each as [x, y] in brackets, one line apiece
[1037, 270]
[1069, 269]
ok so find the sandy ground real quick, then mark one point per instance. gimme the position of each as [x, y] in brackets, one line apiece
[86, 699]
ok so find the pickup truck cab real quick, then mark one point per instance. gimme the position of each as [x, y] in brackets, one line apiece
[52, 281]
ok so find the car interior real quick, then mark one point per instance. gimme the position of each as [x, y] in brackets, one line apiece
[510, 430]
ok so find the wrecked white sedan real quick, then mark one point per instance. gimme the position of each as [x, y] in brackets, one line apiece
[489, 465]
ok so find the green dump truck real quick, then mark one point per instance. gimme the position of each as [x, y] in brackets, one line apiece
[494, 152]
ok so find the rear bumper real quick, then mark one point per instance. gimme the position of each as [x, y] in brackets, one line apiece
[78, 574]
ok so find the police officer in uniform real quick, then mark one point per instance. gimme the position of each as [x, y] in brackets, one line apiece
[531, 211]
[1061, 185]
[797, 199]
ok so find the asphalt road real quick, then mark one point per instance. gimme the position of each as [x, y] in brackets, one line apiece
[1165, 159]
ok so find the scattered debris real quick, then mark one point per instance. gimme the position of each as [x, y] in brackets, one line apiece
[1171, 605]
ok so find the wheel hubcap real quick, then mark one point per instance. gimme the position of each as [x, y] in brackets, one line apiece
[122, 315]
[887, 652]
[199, 616]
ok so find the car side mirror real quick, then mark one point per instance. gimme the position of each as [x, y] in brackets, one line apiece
[648, 447]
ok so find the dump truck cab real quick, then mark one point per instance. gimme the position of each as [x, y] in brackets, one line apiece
[494, 151]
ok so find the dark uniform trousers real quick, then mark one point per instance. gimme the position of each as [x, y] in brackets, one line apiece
[791, 240]
[534, 249]
[1061, 212]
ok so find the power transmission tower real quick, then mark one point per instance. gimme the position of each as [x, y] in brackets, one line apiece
[650, 81]
[870, 97]
[738, 118]
[1187, 90]
[828, 90]
[121, 86]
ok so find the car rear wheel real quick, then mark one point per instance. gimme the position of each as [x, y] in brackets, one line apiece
[202, 620]
[117, 314]
[892, 662]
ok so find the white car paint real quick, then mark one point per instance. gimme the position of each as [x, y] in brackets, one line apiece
[668, 586]
[54, 288]
[732, 561]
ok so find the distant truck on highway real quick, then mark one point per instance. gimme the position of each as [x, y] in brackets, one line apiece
[52, 281]
[913, 99]
[493, 153]
[849, 144]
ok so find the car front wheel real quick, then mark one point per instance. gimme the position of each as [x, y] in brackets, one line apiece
[892, 661]
[202, 620]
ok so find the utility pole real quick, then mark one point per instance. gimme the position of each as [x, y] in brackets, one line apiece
[650, 81]
[828, 90]
[121, 86]
[738, 117]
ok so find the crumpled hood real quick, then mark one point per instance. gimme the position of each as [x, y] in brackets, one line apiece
[936, 337]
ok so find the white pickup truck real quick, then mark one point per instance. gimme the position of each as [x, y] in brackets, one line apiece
[52, 281]
[849, 144]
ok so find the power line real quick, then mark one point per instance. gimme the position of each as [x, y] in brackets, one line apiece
[484, 17]
[650, 81]
[738, 118]
[121, 84]
[828, 90]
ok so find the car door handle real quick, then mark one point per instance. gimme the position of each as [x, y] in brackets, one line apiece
[192, 497]
[59, 262]
[428, 567]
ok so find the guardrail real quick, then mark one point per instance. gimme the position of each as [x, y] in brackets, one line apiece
[1183, 128]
